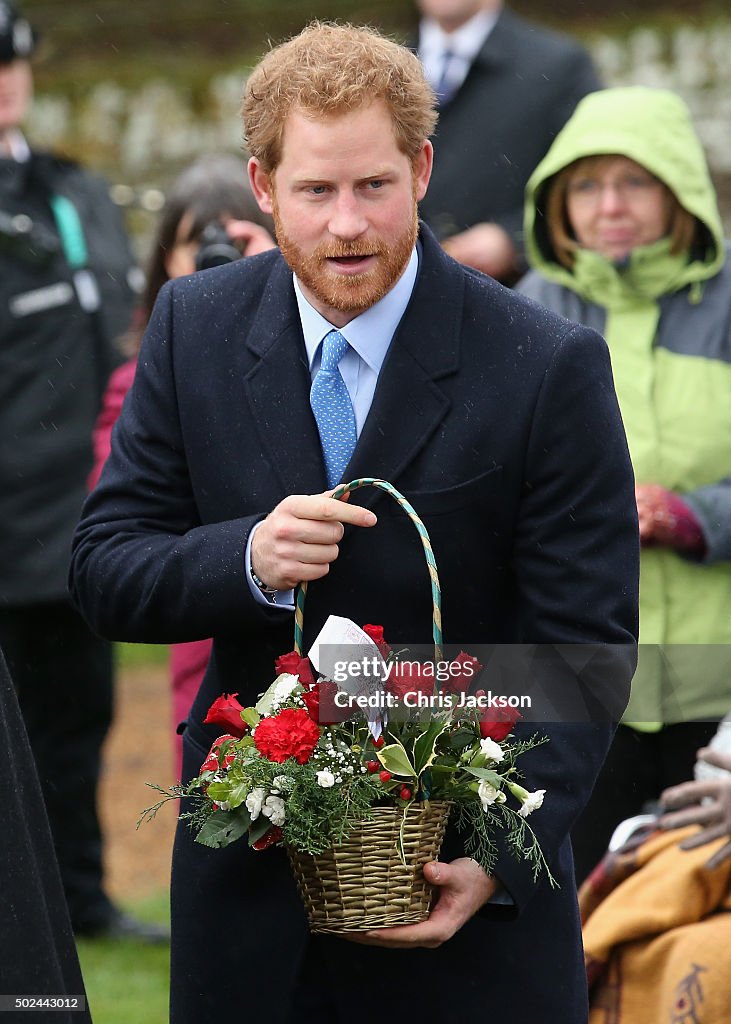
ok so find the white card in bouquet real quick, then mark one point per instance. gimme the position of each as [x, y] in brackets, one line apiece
[345, 654]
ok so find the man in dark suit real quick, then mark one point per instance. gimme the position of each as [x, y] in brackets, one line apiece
[497, 419]
[505, 88]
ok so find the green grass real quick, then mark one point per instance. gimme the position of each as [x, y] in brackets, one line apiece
[135, 655]
[127, 982]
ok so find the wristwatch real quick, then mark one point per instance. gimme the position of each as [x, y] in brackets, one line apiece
[268, 592]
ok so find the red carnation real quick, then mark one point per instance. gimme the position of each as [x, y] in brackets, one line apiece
[226, 711]
[376, 635]
[211, 763]
[291, 733]
[320, 701]
[410, 677]
[462, 673]
[295, 665]
[268, 839]
[497, 723]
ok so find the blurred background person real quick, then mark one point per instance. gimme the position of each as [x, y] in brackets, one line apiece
[623, 230]
[505, 88]
[64, 297]
[210, 217]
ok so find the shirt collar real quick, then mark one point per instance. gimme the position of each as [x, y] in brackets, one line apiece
[16, 147]
[371, 332]
[465, 42]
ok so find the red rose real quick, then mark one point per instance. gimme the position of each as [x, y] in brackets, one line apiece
[321, 706]
[268, 839]
[462, 673]
[295, 665]
[376, 635]
[497, 723]
[226, 711]
[211, 763]
[410, 677]
[291, 733]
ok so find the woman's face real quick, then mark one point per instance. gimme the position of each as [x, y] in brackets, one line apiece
[180, 260]
[617, 205]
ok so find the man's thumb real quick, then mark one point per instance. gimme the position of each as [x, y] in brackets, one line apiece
[436, 872]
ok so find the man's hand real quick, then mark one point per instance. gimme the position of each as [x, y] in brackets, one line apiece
[486, 247]
[464, 889]
[705, 803]
[299, 539]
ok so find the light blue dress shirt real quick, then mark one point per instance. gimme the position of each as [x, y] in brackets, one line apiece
[369, 336]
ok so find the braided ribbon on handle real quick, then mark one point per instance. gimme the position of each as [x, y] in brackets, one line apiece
[436, 593]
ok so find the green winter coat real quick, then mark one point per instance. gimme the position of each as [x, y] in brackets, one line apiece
[667, 321]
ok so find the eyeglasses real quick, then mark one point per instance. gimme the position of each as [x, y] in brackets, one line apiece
[588, 189]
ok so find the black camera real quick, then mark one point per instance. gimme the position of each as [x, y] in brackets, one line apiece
[216, 247]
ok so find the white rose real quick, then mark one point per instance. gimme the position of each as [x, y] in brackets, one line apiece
[488, 795]
[532, 802]
[254, 801]
[274, 810]
[492, 750]
[325, 778]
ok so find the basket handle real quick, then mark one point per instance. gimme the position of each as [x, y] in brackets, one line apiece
[431, 564]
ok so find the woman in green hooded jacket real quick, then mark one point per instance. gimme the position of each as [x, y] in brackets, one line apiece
[623, 233]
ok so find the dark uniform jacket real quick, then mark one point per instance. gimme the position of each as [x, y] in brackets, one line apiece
[54, 360]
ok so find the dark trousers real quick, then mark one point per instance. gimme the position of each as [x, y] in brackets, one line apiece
[63, 675]
[639, 766]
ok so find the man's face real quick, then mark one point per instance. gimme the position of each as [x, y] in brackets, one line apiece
[344, 201]
[16, 89]
[451, 14]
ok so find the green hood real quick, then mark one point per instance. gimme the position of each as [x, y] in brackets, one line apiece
[651, 127]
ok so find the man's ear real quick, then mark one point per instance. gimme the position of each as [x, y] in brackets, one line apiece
[261, 185]
[422, 168]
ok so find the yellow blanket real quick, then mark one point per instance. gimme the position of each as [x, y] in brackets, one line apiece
[657, 935]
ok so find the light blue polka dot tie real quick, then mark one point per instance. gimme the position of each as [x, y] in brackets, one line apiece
[333, 409]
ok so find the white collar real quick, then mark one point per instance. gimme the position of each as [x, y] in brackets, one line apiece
[15, 145]
[465, 42]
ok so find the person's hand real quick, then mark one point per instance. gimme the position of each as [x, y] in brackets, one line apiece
[251, 238]
[464, 888]
[666, 519]
[706, 803]
[299, 539]
[486, 247]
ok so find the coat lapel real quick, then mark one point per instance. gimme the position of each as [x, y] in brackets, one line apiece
[278, 389]
[409, 405]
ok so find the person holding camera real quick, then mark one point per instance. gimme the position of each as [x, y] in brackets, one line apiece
[210, 218]
[65, 296]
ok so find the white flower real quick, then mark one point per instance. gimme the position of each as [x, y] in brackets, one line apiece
[283, 687]
[325, 778]
[532, 802]
[254, 801]
[492, 750]
[274, 810]
[489, 795]
[280, 784]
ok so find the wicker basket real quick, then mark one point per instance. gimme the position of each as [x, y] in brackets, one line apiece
[364, 883]
[375, 879]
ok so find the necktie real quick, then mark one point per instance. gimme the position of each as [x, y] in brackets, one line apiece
[333, 409]
[445, 88]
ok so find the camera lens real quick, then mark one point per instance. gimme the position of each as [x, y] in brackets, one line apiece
[216, 247]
